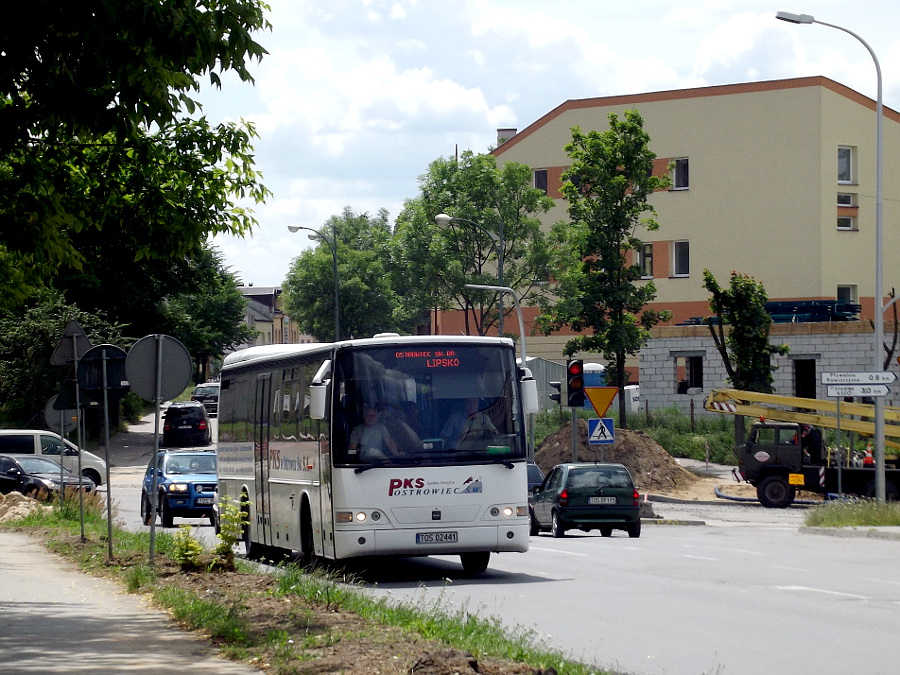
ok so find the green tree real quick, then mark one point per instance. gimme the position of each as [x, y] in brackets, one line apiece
[366, 299]
[80, 86]
[208, 320]
[501, 201]
[607, 186]
[154, 208]
[27, 341]
[745, 348]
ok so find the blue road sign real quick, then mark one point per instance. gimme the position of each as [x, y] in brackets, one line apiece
[600, 431]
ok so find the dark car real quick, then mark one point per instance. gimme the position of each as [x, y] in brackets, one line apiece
[535, 477]
[186, 483]
[186, 423]
[207, 394]
[587, 497]
[36, 476]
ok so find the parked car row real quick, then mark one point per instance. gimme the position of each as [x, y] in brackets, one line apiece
[38, 476]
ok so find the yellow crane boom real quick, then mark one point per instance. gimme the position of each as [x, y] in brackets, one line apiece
[858, 417]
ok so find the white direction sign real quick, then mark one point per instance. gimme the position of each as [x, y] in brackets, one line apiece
[844, 390]
[600, 431]
[872, 377]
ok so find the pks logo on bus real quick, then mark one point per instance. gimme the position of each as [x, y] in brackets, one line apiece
[407, 487]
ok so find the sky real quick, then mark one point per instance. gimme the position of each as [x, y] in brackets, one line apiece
[357, 97]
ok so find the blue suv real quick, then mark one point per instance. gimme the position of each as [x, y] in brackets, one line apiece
[186, 486]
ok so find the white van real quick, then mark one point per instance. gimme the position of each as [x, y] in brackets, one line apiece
[47, 444]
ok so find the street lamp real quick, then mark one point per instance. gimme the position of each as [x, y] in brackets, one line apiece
[443, 220]
[793, 17]
[332, 244]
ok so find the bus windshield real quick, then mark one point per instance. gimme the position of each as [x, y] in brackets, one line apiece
[400, 406]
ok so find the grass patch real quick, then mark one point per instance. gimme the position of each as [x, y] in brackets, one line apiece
[295, 615]
[854, 513]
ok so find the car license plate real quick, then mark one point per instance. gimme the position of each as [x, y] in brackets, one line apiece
[205, 500]
[436, 537]
[185, 426]
[601, 500]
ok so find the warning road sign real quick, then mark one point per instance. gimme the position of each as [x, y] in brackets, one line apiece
[600, 431]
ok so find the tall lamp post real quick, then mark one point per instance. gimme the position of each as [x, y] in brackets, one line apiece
[792, 17]
[332, 244]
[443, 220]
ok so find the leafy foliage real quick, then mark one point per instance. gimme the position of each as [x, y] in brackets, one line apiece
[366, 300]
[207, 317]
[81, 87]
[745, 349]
[607, 186]
[433, 265]
[27, 341]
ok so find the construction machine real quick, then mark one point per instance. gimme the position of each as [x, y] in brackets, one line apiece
[777, 461]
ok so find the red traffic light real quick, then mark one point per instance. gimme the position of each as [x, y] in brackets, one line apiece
[575, 383]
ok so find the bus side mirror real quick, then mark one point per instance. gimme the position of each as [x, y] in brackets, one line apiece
[530, 403]
[317, 399]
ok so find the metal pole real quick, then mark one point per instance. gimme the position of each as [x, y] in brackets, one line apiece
[154, 481]
[501, 253]
[574, 434]
[109, 537]
[80, 435]
[337, 313]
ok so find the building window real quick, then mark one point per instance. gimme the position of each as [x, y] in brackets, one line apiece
[680, 175]
[540, 180]
[845, 160]
[681, 258]
[848, 294]
[846, 199]
[688, 374]
[645, 260]
[846, 223]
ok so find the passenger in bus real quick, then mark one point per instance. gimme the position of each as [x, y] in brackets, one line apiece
[470, 425]
[370, 441]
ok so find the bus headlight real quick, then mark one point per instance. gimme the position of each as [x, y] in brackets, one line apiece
[360, 517]
[522, 511]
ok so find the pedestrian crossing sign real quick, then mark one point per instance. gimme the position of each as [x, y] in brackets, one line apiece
[600, 431]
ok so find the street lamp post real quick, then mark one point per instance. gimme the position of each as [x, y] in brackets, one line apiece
[443, 220]
[332, 244]
[792, 17]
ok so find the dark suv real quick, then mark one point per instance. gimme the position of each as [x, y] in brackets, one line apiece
[586, 497]
[207, 394]
[186, 423]
[186, 483]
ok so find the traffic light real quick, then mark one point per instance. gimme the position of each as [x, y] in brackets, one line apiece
[557, 396]
[575, 383]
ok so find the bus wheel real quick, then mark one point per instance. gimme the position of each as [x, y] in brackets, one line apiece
[774, 492]
[252, 550]
[475, 563]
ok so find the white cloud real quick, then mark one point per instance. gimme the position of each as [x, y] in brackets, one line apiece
[357, 96]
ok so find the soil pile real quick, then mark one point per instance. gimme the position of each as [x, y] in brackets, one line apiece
[653, 469]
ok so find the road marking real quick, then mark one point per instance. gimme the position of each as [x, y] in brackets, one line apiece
[556, 550]
[793, 569]
[699, 557]
[822, 590]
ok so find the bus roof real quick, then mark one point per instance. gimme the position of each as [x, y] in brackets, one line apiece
[265, 353]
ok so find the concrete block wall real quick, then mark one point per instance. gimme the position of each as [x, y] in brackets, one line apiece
[836, 347]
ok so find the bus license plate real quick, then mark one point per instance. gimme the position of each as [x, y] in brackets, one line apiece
[601, 500]
[205, 500]
[436, 537]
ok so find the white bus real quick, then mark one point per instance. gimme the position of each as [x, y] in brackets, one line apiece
[387, 446]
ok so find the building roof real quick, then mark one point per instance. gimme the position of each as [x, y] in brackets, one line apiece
[697, 92]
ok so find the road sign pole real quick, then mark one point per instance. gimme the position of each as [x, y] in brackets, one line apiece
[109, 533]
[80, 438]
[574, 434]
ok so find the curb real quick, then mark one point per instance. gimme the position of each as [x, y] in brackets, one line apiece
[853, 532]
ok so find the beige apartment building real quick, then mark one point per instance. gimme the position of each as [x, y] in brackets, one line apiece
[772, 179]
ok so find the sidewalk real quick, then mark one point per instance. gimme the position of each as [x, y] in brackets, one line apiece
[56, 619]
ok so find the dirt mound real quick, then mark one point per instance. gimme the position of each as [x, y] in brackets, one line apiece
[653, 469]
